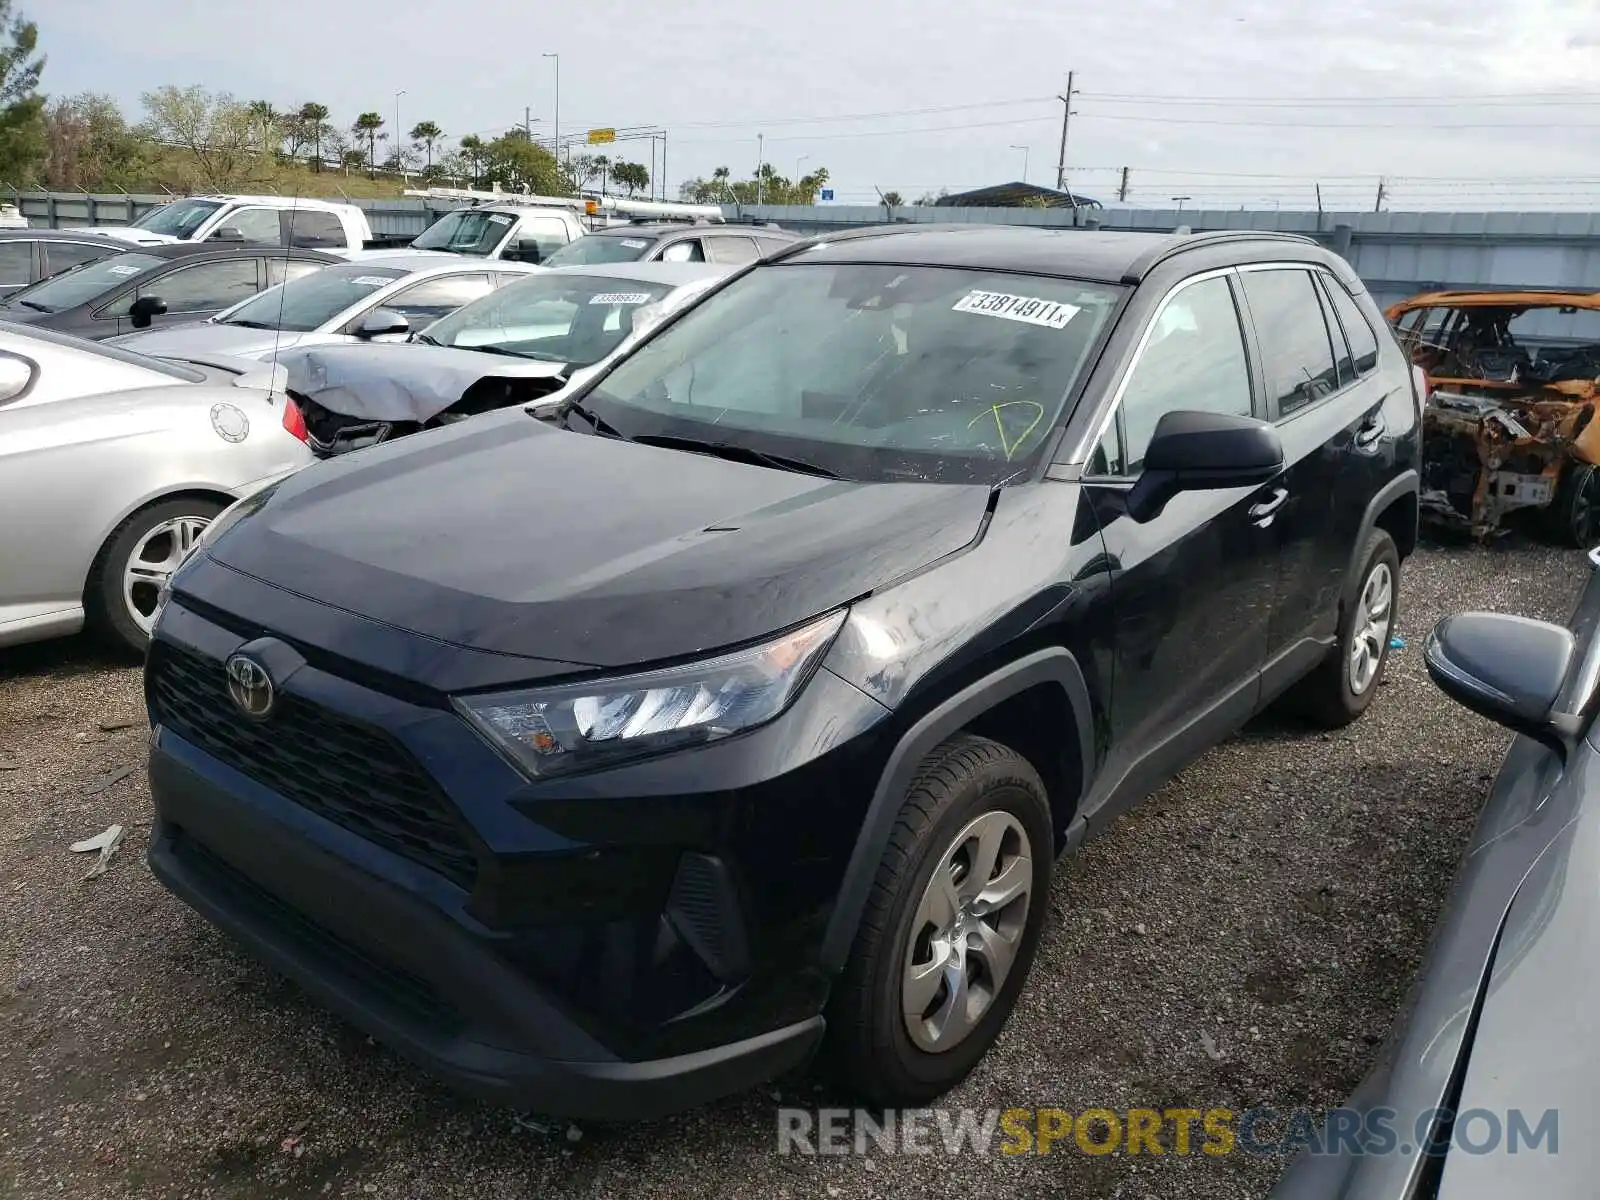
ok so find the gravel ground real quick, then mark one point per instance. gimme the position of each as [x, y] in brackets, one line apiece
[1245, 937]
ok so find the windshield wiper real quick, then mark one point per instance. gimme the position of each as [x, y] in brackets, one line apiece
[736, 453]
[600, 424]
[35, 305]
[249, 324]
[423, 339]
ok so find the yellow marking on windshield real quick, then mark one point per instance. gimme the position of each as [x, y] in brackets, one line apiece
[1011, 447]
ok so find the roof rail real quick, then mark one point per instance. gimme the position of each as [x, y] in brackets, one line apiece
[1150, 259]
[652, 208]
[590, 204]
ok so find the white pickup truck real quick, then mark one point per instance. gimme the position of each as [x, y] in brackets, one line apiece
[261, 220]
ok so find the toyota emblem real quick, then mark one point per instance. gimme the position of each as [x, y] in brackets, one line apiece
[250, 687]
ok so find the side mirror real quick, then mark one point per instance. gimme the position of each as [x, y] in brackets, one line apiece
[15, 376]
[524, 251]
[1202, 451]
[381, 322]
[1509, 669]
[227, 233]
[145, 309]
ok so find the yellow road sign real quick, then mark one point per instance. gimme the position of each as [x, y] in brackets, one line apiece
[599, 137]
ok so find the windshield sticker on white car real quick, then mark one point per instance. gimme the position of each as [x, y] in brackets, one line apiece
[499, 218]
[1031, 309]
[123, 270]
[621, 298]
[634, 243]
[370, 280]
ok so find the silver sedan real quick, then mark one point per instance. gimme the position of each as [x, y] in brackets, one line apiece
[111, 467]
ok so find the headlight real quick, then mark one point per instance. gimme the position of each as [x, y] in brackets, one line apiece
[581, 726]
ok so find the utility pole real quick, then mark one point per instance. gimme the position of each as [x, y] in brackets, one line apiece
[1066, 117]
[1122, 188]
[664, 195]
[1377, 205]
[1319, 205]
[555, 144]
[761, 154]
[399, 159]
[527, 121]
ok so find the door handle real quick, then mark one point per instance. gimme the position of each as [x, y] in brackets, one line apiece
[1370, 431]
[1263, 513]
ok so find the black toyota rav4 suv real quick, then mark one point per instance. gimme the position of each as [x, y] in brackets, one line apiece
[608, 760]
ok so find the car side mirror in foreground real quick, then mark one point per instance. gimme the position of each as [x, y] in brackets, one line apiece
[145, 309]
[1203, 451]
[382, 322]
[1509, 669]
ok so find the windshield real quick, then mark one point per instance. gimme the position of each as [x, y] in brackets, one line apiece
[83, 283]
[179, 219]
[599, 248]
[873, 372]
[577, 319]
[311, 301]
[466, 231]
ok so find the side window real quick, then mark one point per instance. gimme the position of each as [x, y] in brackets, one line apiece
[1344, 368]
[688, 250]
[731, 249]
[1363, 342]
[16, 264]
[1296, 351]
[63, 256]
[770, 245]
[435, 298]
[206, 287]
[260, 225]
[311, 229]
[1194, 359]
[281, 270]
[537, 240]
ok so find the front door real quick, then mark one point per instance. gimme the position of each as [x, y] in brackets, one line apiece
[1193, 589]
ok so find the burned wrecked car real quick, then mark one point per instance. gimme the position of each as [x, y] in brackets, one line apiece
[1513, 379]
[524, 342]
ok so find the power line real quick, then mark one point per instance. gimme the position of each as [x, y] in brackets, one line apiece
[1466, 97]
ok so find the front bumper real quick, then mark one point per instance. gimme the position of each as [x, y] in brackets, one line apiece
[385, 960]
[614, 946]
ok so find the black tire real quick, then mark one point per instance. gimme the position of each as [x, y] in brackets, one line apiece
[105, 605]
[1327, 696]
[869, 1048]
[1575, 514]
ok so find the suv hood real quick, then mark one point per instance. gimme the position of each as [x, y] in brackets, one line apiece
[505, 534]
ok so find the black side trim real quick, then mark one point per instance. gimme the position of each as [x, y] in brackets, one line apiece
[1053, 665]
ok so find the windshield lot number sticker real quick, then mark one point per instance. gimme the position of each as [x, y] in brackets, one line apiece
[370, 280]
[500, 218]
[621, 298]
[634, 243]
[1018, 308]
[121, 270]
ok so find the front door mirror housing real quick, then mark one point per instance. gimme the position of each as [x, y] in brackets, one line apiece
[227, 233]
[1509, 669]
[146, 309]
[1194, 451]
[382, 322]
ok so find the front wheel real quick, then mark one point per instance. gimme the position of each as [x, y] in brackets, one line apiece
[135, 563]
[951, 926]
[1576, 510]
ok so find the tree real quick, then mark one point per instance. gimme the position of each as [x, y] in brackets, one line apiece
[21, 106]
[893, 199]
[87, 144]
[266, 118]
[602, 164]
[216, 132]
[311, 122]
[581, 170]
[366, 129]
[517, 163]
[427, 133]
[767, 188]
[472, 150]
[633, 176]
[929, 199]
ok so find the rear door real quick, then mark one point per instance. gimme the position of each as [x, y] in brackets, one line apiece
[192, 293]
[1193, 588]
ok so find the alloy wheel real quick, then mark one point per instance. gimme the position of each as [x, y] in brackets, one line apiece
[1371, 637]
[160, 552]
[967, 930]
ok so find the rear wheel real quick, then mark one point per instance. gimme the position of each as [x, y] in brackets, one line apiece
[1341, 688]
[137, 560]
[950, 928]
[1576, 511]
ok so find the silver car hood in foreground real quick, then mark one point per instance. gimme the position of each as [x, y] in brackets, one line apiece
[407, 381]
[206, 337]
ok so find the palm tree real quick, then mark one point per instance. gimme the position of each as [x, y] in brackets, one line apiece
[603, 165]
[264, 117]
[428, 133]
[366, 129]
[314, 124]
[472, 147]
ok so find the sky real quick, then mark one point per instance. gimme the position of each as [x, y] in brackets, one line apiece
[1227, 103]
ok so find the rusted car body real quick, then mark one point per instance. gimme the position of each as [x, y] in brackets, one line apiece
[1513, 379]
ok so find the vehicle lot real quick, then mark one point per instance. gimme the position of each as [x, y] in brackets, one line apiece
[1275, 898]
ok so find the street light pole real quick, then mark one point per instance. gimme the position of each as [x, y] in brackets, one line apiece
[1180, 200]
[797, 163]
[399, 161]
[556, 143]
[1024, 150]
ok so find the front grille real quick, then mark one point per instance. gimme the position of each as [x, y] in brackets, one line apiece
[398, 987]
[355, 776]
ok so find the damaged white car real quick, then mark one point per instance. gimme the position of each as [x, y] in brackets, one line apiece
[526, 342]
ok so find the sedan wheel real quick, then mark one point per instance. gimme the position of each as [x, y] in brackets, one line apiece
[158, 554]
